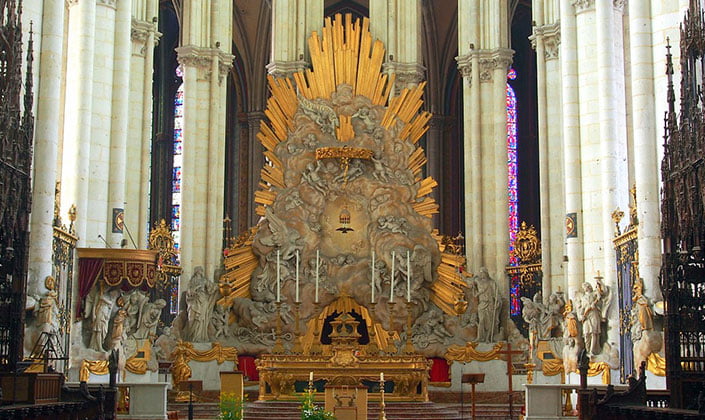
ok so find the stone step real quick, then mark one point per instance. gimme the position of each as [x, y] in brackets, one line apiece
[289, 410]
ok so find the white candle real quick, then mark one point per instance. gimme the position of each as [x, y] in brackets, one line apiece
[391, 286]
[297, 276]
[408, 277]
[278, 278]
[381, 376]
[310, 376]
[372, 283]
[318, 266]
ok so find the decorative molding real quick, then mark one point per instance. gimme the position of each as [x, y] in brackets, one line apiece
[489, 61]
[70, 3]
[465, 66]
[107, 3]
[619, 5]
[280, 68]
[551, 35]
[583, 6]
[408, 75]
[202, 59]
[139, 33]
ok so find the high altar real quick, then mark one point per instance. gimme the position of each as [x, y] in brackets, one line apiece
[343, 278]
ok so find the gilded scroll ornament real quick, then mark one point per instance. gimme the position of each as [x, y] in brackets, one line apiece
[469, 352]
[184, 353]
[96, 367]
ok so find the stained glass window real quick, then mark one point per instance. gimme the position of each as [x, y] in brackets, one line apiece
[512, 189]
[176, 174]
[512, 181]
[176, 184]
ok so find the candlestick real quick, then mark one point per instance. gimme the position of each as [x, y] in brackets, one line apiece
[278, 278]
[409, 346]
[382, 414]
[391, 286]
[278, 347]
[318, 266]
[297, 348]
[297, 276]
[408, 277]
[372, 283]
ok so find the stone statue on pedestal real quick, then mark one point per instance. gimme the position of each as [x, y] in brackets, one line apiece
[200, 298]
[488, 306]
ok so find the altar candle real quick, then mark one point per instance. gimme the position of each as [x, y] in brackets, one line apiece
[310, 376]
[381, 376]
[391, 286]
[318, 266]
[278, 279]
[408, 277]
[372, 285]
[297, 276]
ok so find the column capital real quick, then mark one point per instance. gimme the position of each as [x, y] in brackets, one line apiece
[408, 75]
[202, 59]
[583, 6]
[279, 68]
[619, 5]
[139, 33]
[491, 60]
[465, 65]
[107, 3]
[551, 35]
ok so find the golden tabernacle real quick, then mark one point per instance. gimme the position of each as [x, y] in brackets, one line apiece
[345, 362]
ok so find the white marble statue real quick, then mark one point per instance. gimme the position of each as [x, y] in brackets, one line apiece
[99, 311]
[200, 297]
[488, 305]
[149, 319]
[590, 304]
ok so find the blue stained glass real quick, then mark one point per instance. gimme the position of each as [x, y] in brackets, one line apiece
[512, 170]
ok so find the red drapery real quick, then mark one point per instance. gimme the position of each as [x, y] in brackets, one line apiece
[440, 371]
[246, 364]
[88, 271]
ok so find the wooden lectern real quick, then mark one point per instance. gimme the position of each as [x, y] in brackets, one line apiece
[472, 379]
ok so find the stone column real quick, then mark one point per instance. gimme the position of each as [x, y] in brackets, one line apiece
[483, 61]
[119, 123]
[46, 143]
[98, 221]
[205, 65]
[78, 113]
[571, 146]
[646, 163]
[398, 25]
[546, 39]
[144, 37]
[292, 24]
[256, 158]
[434, 137]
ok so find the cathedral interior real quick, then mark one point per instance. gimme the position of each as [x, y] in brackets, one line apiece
[403, 209]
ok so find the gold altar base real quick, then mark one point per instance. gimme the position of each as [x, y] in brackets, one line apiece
[279, 372]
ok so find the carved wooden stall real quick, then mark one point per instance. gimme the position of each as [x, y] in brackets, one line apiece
[683, 220]
[16, 133]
